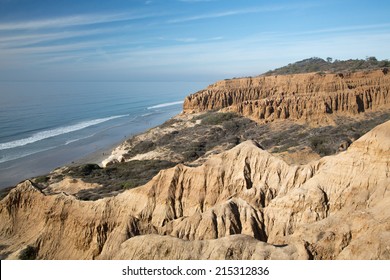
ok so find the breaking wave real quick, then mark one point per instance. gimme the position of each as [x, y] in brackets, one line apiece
[165, 105]
[54, 132]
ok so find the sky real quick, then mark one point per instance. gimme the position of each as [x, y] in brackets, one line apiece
[181, 40]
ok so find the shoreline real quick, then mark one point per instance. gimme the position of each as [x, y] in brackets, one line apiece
[91, 150]
[97, 157]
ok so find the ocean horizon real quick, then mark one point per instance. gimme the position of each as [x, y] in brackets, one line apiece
[44, 125]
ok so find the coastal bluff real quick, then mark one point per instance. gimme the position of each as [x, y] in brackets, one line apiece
[241, 204]
[216, 185]
[311, 97]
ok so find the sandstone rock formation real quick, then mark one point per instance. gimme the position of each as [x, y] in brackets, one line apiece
[307, 97]
[241, 204]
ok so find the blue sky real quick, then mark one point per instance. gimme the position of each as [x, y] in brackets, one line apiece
[191, 40]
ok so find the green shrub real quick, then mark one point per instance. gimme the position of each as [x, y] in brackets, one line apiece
[41, 179]
[217, 118]
[87, 169]
[316, 142]
[119, 177]
[29, 253]
[194, 151]
[129, 185]
[321, 145]
[320, 65]
[324, 151]
[142, 148]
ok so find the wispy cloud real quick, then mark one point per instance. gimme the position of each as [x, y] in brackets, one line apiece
[22, 40]
[208, 16]
[252, 48]
[126, 44]
[186, 40]
[251, 10]
[191, 39]
[68, 21]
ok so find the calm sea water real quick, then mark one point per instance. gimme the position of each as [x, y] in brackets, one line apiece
[44, 125]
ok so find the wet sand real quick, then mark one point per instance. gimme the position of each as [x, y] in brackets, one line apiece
[91, 150]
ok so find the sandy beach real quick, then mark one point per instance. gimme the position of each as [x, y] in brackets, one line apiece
[91, 150]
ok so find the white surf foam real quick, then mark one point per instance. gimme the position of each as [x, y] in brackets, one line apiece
[146, 115]
[54, 132]
[78, 139]
[165, 105]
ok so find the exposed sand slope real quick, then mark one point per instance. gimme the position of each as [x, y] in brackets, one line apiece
[243, 203]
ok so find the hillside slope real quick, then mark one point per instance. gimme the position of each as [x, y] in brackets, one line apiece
[241, 204]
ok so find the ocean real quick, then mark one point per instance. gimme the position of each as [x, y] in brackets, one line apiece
[44, 125]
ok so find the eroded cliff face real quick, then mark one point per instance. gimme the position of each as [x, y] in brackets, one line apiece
[241, 204]
[306, 97]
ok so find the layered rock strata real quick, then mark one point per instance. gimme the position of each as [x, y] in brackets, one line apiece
[308, 97]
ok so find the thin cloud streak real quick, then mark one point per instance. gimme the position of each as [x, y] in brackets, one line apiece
[252, 10]
[71, 47]
[50, 37]
[247, 49]
[196, 51]
[18, 41]
[69, 21]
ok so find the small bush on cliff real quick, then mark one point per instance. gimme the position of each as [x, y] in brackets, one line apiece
[194, 151]
[117, 177]
[142, 147]
[129, 185]
[217, 118]
[321, 145]
[87, 169]
[316, 64]
[29, 253]
[41, 179]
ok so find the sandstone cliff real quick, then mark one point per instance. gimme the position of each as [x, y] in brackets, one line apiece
[310, 97]
[241, 204]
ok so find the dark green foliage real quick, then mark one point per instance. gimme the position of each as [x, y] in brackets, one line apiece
[189, 144]
[29, 253]
[194, 151]
[87, 169]
[217, 118]
[316, 141]
[194, 142]
[141, 148]
[215, 129]
[41, 179]
[117, 177]
[320, 65]
[321, 145]
[231, 126]
[129, 185]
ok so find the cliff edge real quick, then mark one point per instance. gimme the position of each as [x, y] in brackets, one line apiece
[312, 97]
